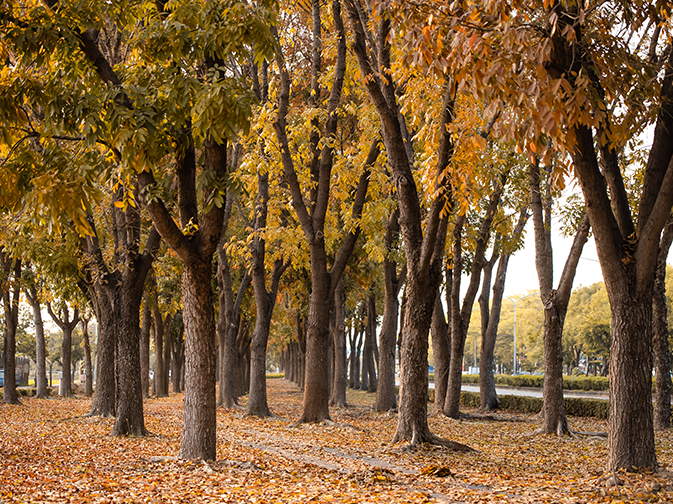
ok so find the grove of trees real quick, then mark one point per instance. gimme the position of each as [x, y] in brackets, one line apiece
[236, 184]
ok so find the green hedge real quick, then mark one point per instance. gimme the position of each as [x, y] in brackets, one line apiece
[575, 407]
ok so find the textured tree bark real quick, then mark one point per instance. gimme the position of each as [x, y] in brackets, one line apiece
[627, 243]
[199, 428]
[129, 417]
[338, 396]
[662, 364]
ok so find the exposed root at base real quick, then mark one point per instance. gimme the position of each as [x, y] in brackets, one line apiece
[418, 441]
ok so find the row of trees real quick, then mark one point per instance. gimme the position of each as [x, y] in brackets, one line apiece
[322, 151]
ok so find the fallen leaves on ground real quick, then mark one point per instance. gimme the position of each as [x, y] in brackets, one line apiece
[51, 452]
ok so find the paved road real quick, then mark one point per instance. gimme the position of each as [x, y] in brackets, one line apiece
[534, 392]
[531, 392]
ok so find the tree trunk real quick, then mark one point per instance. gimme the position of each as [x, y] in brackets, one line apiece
[88, 384]
[662, 364]
[159, 367]
[316, 380]
[386, 397]
[129, 418]
[631, 434]
[66, 325]
[178, 358]
[40, 348]
[11, 302]
[168, 350]
[441, 352]
[145, 349]
[199, 428]
[105, 394]
[460, 316]
[371, 336]
[338, 397]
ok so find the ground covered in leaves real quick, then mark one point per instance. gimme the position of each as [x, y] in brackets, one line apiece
[51, 452]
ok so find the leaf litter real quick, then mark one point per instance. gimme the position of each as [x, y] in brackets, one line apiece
[50, 451]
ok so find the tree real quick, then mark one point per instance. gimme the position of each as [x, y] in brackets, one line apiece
[424, 250]
[662, 362]
[33, 299]
[490, 318]
[311, 205]
[64, 321]
[555, 301]
[11, 290]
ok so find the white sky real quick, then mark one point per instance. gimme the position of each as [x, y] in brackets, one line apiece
[522, 276]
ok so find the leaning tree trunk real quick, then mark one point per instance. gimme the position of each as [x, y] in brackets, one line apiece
[371, 335]
[199, 428]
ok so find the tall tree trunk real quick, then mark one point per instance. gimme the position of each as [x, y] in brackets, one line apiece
[11, 266]
[129, 418]
[159, 367]
[338, 397]
[145, 349]
[265, 301]
[40, 347]
[105, 395]
[371, 335]
[386, 396]
[198, 434]
[178, 357]
[441, 352]
[488, 399]
[662, 364]
[460, 316]
[168, 350]
[554, 420]
[88, 368]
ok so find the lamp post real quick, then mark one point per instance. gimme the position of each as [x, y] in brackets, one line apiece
[515, 303]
